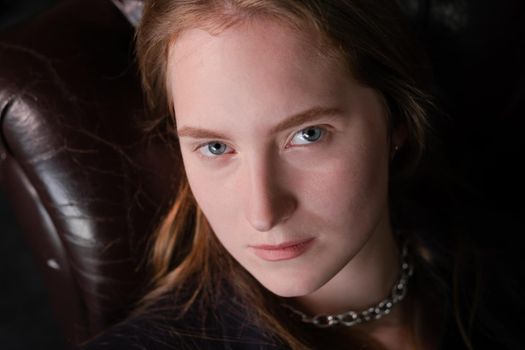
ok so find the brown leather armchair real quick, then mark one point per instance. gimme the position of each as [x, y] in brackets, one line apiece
[86, 183]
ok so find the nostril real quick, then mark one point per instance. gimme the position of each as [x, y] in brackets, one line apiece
[265, 215]
[262, 226]
[260, 215]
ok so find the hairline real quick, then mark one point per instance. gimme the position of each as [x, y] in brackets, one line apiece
[322, 44]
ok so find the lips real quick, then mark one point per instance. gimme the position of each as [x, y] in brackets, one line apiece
[283, 251]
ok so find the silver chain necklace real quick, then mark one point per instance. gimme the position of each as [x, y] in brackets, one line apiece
[351, 318]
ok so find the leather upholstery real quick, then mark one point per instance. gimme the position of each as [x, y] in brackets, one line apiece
[86, 184]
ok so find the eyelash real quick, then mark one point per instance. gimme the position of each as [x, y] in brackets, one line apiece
[324, 134]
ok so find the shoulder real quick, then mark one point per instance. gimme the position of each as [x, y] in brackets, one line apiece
[140, 332]
[162, 327]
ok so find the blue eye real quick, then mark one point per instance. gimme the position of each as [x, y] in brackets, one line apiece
[308, 135]
[214, 148]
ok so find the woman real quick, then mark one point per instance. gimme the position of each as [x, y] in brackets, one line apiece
[299, 125]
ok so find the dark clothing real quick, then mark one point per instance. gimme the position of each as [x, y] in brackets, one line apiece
[234, 332]
[230, 325]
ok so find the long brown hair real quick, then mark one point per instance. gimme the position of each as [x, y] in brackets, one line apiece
[370, 37]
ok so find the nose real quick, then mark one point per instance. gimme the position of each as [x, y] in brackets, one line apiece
[268, 199]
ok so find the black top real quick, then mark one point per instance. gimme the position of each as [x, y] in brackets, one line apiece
[230, 325]
[226, 327]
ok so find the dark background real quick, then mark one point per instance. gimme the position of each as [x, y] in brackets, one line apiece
[25, 316]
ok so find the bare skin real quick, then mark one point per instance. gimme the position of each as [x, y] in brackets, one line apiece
[391, 331]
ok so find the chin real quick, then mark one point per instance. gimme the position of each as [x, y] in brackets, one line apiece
[295, 286]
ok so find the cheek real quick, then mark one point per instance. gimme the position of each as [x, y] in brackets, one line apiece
[214, 196]
[349, 189]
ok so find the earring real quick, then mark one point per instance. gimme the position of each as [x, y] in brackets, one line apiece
[394, 151]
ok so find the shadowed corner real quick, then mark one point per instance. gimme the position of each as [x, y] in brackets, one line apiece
[26, 320]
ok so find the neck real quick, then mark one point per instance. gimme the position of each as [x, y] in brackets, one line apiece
[365, 281]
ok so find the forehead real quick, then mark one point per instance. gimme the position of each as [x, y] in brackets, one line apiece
[276, 33]
[260, 37]
[257, 66]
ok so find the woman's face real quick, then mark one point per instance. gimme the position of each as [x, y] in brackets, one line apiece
[286, 154]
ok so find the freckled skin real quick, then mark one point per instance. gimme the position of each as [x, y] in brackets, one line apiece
[264, 190]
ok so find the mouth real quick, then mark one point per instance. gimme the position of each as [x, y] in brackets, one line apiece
[283, 251]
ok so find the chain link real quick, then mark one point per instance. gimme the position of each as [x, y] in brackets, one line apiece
[384, 307]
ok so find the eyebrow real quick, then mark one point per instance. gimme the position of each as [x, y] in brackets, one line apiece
[297, 119]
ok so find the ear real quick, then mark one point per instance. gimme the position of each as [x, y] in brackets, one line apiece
[397, 139]
[399, 135]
